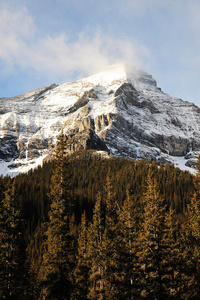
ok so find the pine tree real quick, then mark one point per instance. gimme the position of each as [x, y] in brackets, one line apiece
[113, 272]
[192, 241]
[95, 253]
[194, 206]
[172, 279]
[12, 247]
[128, 228]
[81, 273]
[60, 177]
[152, 247]
[34, 259]
[57, 264]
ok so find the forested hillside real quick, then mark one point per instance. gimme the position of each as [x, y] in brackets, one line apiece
[84, 227]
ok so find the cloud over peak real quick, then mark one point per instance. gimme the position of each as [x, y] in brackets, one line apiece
[22, 46]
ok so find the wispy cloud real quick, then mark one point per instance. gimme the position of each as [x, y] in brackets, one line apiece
[87, 54]
[16, 29]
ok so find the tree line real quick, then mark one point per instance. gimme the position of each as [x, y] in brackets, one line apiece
[83, 227]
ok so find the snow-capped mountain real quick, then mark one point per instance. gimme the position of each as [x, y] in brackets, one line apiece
[120, 111]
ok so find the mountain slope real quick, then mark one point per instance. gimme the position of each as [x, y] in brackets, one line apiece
[120, 111]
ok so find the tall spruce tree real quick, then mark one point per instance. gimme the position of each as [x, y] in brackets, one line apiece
[57, 264]
[95, 253]
[12, 247]
[128, 263]
[152, 243]
[194, 206]
[172, 280]
[81, 273]
[113, 272]
[192, 241]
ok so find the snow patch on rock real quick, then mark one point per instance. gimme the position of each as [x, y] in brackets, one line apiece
[121, 107]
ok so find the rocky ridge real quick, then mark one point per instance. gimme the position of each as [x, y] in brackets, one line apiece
[120, 111]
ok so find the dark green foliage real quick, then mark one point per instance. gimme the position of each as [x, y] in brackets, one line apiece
[81, 271]
[191, 247]
[12, 246]
[33, 189]
[111, 245]
[101, 229]
[153, 242]
[95, 252]
[87, 175]
[57, 260]
[129, 224]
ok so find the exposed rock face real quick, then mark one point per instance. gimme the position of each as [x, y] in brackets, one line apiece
[87, 139]
[120, 111]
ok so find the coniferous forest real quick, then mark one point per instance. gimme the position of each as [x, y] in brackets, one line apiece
[84, 227]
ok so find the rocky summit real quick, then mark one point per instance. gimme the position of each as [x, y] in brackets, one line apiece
[119, 111]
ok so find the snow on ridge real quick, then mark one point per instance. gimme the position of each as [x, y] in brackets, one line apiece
[108, 75]
[18, 166]
[41, 113]
[118, 73]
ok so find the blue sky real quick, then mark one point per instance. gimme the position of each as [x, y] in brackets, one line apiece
[46, 41]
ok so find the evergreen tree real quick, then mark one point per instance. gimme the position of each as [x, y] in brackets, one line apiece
[81, 273]
[194, 206]
[152, 246]
[57, 264]
[12, 247]
[172, 278]
[192, 241]
[129, 219]
[34, 260]
[95, 253]
[132, 249]
[60, 178]
[113, 272]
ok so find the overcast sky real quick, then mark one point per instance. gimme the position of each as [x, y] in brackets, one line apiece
[46, 41]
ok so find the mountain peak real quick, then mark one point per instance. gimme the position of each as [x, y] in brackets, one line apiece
[119, 110]
[108, 75]
[122, 73]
